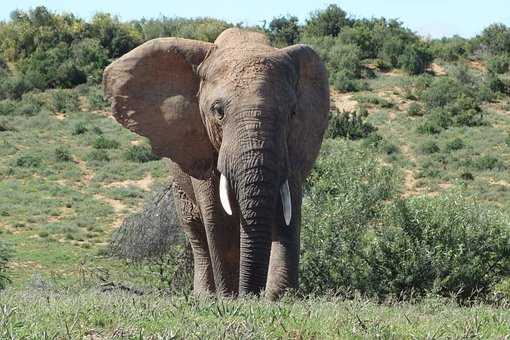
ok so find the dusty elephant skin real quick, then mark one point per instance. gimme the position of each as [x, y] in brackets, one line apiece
[241, 124]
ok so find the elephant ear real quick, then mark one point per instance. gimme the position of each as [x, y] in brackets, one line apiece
[310, 120]
[154, 90]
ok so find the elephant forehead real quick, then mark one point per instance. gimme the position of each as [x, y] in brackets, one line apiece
[241, 67]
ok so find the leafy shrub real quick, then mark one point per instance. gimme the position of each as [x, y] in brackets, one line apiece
[79, 128]
[96, 99]
[105, 143]
[28, 161]
[498, 64]
[350, 125]
[489, 162]
[467, 176]
[455, 144]
[65, 101]
[353, 239]
[140, 154]
[494, 83]
[374, 100]
[329, 21]
[446, 245]
[415, 109]
[345, 193]
[415, 59]
[7, 107]
[63, 155]
[284, 31]
[5, 256]
[343, 82]
[392, 49]
[429, 147]
[450, 49]
[91, 58]
[451, 104]
[497, 38]
[98, 156]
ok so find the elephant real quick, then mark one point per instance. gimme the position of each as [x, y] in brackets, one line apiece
[241, 124]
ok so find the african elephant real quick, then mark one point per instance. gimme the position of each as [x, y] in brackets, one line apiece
[241, 123]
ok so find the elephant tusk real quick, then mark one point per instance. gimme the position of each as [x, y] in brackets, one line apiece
[286, 202]
[224, 190]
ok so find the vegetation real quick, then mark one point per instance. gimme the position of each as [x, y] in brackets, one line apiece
[405, 212]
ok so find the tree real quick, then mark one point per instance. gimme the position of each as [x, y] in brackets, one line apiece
[497, 38]
[284, 31]
[327, 22]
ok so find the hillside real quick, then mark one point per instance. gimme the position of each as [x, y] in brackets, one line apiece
[405, 216]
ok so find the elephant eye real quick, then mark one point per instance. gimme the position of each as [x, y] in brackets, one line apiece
[218, 110]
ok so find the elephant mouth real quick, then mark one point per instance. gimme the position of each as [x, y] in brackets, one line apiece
[284, 195]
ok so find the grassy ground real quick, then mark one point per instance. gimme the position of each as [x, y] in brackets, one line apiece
[59, 200]
[67, 184]
[95, 315]
[468, 165]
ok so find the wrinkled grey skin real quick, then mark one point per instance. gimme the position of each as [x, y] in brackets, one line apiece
[240, 108]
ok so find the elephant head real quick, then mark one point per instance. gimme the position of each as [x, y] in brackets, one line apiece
[238, 108]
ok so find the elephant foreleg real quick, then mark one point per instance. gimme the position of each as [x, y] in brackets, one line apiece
[191, 223]
[284, 261]
[222, 236]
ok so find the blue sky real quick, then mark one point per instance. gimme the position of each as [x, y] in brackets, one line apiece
[433, 18]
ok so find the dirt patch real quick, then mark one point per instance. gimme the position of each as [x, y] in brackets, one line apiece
[60, 115]
[87, 173]
[24, 264]
[118, 208]
[343, 101]
[438, 70]
[144, 183]
[477, 65]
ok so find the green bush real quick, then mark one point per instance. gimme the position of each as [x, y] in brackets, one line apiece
[350, 125]
[415, 109]
[429, 147]
[98, 156]
[374, 100]
[454, 144]
[140, 154]
[415, 59]
[357, 235]
[344, 194]
[329, 21]
[441, 92]
[5, 256]
[489, 162]
[96, 99]
[392, 49]
[494, 83]
[498, 64]
[343, 82]
[105, 143]
[497, 38]
[79, 128]
[7, 107]
[65, 101]
[450, 49]
[451, 104]
[63, 155]
[28, 161]
[284, 31]
[446, 245]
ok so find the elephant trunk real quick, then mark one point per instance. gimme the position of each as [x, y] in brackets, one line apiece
[255, 174]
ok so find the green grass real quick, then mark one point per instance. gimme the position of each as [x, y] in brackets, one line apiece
[77, 313]
[56, 202]
[62, 194]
